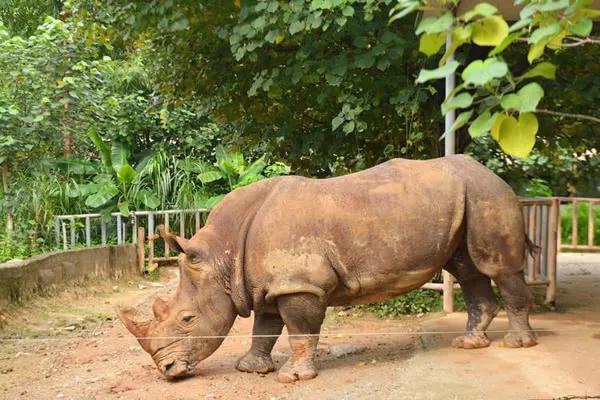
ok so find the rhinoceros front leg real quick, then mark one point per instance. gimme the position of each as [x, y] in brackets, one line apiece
[303, 315]
[266, 330]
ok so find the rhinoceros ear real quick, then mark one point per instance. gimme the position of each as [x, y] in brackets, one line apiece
[175, 242]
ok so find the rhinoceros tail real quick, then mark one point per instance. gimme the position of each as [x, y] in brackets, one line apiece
[533, 249]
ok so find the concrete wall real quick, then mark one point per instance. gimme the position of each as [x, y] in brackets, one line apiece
[47, 272]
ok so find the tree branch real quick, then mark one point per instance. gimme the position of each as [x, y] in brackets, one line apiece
[574, 41]
[569, 115]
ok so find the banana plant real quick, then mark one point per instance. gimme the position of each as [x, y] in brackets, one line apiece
[119, 183]
[232, 168]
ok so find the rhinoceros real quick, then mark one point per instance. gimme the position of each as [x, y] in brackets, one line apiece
[286, 248]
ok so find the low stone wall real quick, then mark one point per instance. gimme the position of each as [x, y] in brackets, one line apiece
[47, 272]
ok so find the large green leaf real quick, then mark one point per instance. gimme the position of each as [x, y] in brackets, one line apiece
[148, 199]
[105, 153]
[441, 72]
[525, 100]
[210, 176]
[517, 138]
[544, 32]
[463, 100]
[105, 193]
[482, 124]
[490, 31]
[431, 43]
[435, 24]
[461, 120]
[123, 207]
[583, 27]
[119, 155]
[126, 174]
[481, 9]
[480, 72]
[544, 69]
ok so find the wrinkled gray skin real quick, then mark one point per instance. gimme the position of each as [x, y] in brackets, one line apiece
[288, 247]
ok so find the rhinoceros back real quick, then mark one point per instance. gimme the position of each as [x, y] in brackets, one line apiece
[356, 238]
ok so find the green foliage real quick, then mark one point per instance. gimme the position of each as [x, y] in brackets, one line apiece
[22, 17]
[489, 80]
[418, 301]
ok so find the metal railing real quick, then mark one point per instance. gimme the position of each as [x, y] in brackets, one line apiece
[592, 206]
[541, 221]
[93, 229]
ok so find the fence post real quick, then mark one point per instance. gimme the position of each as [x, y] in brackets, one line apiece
[553, 241]
[88, 232]
[182, 225]
[574, 224]
[57, 230]
[73, 232]
[167, 230]
[140, 242]
[64, 232]
[119, 230]
[591, 223]
[103, 232]
[448, 290]
[531, 233]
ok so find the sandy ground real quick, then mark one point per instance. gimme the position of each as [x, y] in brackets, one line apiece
[91, 356]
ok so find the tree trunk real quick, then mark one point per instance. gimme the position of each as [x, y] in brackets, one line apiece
[67, 137]
[9, 213]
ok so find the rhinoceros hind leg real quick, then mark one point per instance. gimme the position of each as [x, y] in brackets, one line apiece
[303, 315]
[481, 302]
[266, 330]
[517, 302]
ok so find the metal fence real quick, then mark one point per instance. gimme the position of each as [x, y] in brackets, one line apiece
[541, 220]
[592, 208]
[84, 230]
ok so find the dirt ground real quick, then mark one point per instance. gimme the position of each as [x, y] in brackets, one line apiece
[91, 356]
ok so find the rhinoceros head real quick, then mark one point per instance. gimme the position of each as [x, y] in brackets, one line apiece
[190, 326]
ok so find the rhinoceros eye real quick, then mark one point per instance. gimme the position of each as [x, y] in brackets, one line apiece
[187, 318]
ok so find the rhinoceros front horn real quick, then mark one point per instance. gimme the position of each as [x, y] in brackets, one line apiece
[138, 329]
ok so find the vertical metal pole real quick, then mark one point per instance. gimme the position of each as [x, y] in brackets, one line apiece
[103, 232]
[591, 224]
[134, 229]
[119, 230]
[88, 232]
[553, 240]
[150, 224]
[450, 138]
[574, 216]
[73, 231]
[140, 243]
[449, 148]
[182, 225]
[166, 229]
[64, 232]
[57, 230]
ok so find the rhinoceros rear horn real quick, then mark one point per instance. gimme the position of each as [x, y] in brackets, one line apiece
[175, 242]
[138, 329]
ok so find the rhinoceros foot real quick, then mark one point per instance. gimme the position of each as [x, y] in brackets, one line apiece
[291, 372]
[471, 340]
[255, 363]
[520, 339]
